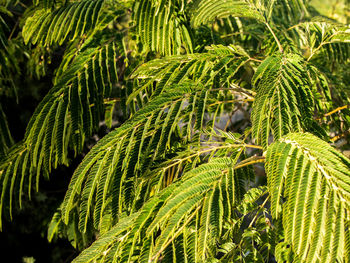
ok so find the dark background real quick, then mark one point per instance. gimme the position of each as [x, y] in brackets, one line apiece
[26, 234]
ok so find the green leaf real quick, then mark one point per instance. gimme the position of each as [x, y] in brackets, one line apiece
[68, 21]
[283, 102]
[309, 183]
[68, 114]
[206, 11]
[162, 27]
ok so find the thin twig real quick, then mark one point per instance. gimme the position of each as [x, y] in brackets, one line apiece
[336, 110]
[231, 101]
[337, 137]
[250, 161]
[333, 111]
[234, 34]
[275, 37]
[254, 59]
[13, 30]
[256, 215]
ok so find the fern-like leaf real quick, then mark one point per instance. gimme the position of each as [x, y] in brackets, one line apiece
[309, 182]
[69, 112]
[283, 102]
[172, 211]
[161, 27]
[321, 38]
[208, 10]
[220, 64]
[68, 21]
[146, 137]
[114, 160]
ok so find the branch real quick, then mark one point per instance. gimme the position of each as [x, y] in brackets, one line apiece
[275, 37]
[250, 161]
[333, 111]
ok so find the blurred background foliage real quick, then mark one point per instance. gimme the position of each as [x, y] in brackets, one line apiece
[336, 9]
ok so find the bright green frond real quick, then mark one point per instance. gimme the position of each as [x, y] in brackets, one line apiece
[109, 169]
[220, 64]
[174, 110]
[57, 229]
[163, 27]
[72, 20]
[206, 11]
[309, 183]
[283, 102]
[200, 191]
[321, 38]
[101, 247]
[287, 12]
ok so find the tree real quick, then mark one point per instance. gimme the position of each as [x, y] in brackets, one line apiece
[222, 117]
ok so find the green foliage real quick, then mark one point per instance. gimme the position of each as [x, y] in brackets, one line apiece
[208, 11]
[313, 180]
[283, 102]
[170, 212]
[162, 27]
[323, 38]
[48, 26]
[193, 96]
[70, 112]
